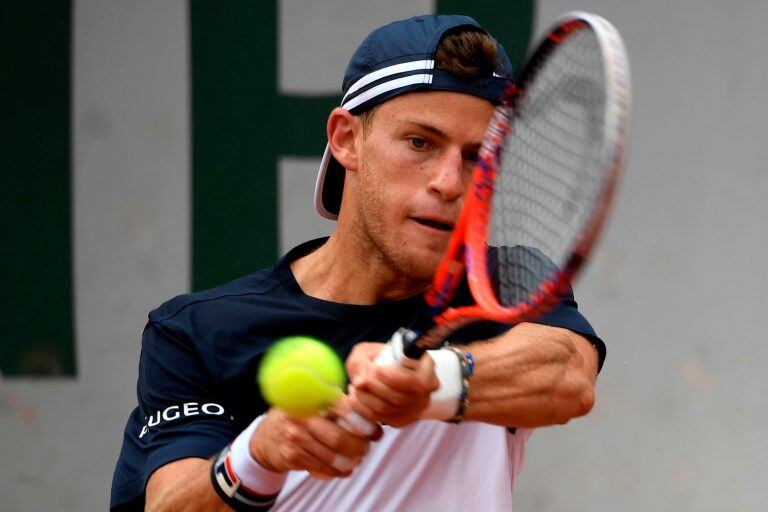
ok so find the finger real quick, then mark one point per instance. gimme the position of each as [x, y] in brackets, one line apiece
[320, 476]
[353, 421]
[361, 357]
[395, 417]
[421, 378]
[302, 451]
[427, 374]
[337, 439]
[397, 384]
[406, 381]
[380, 388]
[381, 408]
[362, 411]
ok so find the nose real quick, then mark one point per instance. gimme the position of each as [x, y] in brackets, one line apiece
[449, 178]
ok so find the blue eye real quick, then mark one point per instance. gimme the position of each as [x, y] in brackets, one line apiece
[418, 142]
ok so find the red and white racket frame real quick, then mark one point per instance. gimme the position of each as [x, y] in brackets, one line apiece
[467, 248]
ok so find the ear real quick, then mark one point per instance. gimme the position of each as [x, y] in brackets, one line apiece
[343, 129]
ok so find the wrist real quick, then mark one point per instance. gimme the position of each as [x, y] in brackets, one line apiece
[240, 480]
[252, 466]
[254, 446]
[467, 363]
[453, 368]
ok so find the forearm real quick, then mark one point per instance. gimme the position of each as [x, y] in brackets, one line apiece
[185, 486]
[532, 376]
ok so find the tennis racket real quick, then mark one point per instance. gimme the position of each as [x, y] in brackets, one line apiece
[541, 190]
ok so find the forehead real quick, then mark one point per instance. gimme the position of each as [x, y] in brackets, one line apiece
[447, 111]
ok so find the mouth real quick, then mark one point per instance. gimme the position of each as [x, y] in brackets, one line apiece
[438, 224]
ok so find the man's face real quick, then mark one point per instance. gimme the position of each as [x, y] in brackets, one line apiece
[416, 160]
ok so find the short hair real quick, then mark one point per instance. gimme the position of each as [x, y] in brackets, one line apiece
[465, 52]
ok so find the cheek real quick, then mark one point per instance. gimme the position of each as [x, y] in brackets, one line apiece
[384, 202]
[390, 180]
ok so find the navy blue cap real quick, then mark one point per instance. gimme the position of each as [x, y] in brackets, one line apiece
[393, 60]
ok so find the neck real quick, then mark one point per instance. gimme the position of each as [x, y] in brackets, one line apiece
[347, 271]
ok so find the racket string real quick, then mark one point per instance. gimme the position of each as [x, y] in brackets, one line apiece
[549, 173]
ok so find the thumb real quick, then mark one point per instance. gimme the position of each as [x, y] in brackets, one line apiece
[361, 359]
[426, 370]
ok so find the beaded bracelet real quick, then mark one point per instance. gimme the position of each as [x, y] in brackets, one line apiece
[467, 369]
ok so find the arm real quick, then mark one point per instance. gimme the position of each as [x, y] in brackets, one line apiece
[532, 375]
[279, 444]
[183, 485]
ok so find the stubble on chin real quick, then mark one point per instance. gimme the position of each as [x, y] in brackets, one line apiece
[377, 239]
[405, 258]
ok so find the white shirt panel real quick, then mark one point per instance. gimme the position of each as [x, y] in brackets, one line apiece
[429, 465]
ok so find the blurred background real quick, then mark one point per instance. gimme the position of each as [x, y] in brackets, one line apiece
[151, 148]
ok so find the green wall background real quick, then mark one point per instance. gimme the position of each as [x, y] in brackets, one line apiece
[36, 300]
[241, 126]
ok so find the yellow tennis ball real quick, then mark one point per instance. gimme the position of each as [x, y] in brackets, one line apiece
[301, 376]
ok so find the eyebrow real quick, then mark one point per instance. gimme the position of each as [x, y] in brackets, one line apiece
[429, 128]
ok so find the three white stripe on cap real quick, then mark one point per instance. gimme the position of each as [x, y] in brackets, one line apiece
[397, 83]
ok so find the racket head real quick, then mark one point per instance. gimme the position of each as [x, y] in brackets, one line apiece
[548, 170]
[494, 232]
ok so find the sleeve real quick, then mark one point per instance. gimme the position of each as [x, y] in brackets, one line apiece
[566, 315]
[180, 415]
[522, 260]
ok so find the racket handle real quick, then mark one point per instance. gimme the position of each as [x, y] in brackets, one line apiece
[401, 349]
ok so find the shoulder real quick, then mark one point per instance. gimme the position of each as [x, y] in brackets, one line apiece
[224, 317]
[234, 321]
[218, 299]
[267, 287]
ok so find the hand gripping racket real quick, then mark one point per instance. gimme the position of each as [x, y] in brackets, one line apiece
[542, 187]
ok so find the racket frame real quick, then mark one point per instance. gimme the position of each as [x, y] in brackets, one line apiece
[467, 247]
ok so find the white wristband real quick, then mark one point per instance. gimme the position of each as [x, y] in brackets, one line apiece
[252, 474]
[444, 402]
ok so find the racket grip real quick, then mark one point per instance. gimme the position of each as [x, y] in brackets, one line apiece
[400, 350]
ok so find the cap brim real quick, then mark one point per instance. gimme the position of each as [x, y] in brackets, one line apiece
[329, 186]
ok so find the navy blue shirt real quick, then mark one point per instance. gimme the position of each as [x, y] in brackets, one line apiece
[196, 388]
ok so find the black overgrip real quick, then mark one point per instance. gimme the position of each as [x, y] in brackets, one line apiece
[410, 349]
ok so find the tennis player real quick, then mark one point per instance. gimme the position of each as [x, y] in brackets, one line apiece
[418, 95]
